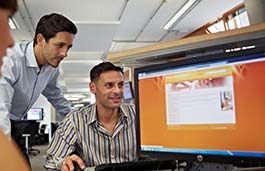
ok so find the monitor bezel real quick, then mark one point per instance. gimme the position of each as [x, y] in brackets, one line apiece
[131, 91]
[235, 160]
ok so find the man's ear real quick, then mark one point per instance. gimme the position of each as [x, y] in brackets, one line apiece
[92, 87]
[40, 39]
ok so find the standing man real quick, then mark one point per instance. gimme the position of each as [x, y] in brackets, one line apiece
[7, 9]
[31, 69]
[99, 133]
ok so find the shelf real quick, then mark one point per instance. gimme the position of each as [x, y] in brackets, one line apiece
[251, 35]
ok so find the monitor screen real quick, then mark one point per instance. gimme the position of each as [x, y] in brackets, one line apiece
[35, 114]
[212, 105]
[128, 91]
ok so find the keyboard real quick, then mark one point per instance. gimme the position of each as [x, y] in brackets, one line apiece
[137, 165]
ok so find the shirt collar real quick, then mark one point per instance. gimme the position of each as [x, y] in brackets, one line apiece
[124, 111]
[30, 55]
[93, 117]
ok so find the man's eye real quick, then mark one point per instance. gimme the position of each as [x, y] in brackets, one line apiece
[59, 45]
[120, 85]
[109, 85]
[69, 47]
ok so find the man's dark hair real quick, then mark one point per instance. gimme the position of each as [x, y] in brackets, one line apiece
[9, 4]
[101, 68]
[53, 23]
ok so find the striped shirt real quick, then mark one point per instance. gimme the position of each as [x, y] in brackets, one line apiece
[81, 133]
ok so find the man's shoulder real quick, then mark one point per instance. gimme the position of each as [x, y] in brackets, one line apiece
[128, 109]
[82, 112]
[17, 51]
[127, 105]
[80, 116]
[15, 54]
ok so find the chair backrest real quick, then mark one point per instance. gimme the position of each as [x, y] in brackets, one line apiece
[30, 127]
[42, 129]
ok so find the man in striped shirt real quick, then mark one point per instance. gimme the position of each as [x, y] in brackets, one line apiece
[103, 132]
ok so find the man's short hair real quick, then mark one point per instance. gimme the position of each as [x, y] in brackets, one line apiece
[9, 4]
[50, 25]
[101, 68]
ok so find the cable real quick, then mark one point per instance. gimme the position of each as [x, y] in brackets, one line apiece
[158, 166]
[199, 159]
[199, 164]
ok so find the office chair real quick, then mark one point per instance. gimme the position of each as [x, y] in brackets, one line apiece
[42, 137]
[34, 134]
[30, 127]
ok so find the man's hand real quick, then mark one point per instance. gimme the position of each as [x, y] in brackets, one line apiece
[68, 163]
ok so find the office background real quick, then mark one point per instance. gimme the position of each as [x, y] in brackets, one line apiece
[106, 28]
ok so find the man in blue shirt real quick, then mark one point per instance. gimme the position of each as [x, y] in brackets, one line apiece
[31, 69]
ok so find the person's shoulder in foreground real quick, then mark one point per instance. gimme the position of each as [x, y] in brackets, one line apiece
[10, 158]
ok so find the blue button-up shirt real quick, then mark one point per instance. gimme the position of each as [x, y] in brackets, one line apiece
[22, 83]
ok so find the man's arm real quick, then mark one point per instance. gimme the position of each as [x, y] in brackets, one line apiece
[10, 73]
[54, 95]
[62, 144]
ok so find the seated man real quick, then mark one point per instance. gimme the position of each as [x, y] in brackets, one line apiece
[103, 132]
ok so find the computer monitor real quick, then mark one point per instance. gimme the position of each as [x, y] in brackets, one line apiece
[209, 106]
[128, 91]
[35, 114]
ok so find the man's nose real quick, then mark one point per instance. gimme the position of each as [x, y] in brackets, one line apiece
[117, 89]
[64, 52]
